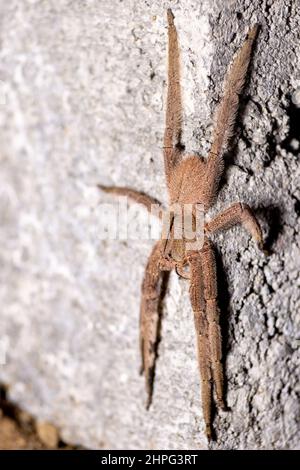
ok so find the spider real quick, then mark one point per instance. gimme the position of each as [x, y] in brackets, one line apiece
[193, 180]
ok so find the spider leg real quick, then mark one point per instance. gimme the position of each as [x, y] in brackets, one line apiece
[238, 213]
[154, 282]
[180, 270]
[136, 196]
[226, 115]
[202, 332]
[213, 313]
[174, 105]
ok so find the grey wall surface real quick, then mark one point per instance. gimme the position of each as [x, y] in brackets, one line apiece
[83, 87]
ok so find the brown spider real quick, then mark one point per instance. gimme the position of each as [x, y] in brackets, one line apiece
[193, 180]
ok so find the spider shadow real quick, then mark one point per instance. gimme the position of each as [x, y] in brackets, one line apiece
[273, 215]
[224, 303]
[163, 291]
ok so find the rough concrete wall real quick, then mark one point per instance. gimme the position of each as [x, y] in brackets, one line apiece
[82, 89]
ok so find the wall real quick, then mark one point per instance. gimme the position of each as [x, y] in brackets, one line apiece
[83, 87]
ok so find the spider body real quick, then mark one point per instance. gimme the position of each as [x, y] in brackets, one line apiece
[193, 180]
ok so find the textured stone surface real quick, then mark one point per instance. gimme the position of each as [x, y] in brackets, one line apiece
[82, 93]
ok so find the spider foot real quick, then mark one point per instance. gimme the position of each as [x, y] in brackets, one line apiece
[149, 401]
[149, 386]
[208, 432]
[181, 271]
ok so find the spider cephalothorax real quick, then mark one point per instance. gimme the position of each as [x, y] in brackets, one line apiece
[192, 180]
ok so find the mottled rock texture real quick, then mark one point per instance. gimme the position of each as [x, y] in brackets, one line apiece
[83, 88]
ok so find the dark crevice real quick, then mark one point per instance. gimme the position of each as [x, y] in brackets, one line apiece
[271, 145]
[152, 73]
[271, 290]
[267, 8]
[296, 205]
[258, 105]
[294, 120]
[273, 217]
[288, 15]
[248, 171]
[232, 39]
[179, 144]
[244, 138]
[264, 314]
[276, 332]
[8, 408]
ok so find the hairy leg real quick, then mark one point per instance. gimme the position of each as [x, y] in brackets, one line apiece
[238, 213]
[174, 106]
[154, 277]
[212, 312]
[226, 115]
[136, 196]
[201, 326]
